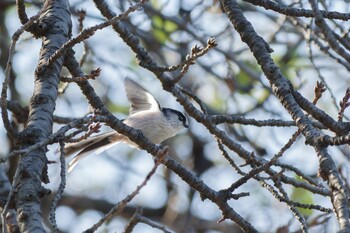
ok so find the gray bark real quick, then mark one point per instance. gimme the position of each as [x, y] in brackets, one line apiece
[56, 25]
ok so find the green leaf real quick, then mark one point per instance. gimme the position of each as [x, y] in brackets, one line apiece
[160, 36]
[302, 196]
[162, 29]
[244, 82]
[157, 21]
[155, 4]
[170, 26]
[117, 108]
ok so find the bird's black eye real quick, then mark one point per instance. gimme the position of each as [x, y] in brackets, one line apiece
[168, 112]
[181, 118]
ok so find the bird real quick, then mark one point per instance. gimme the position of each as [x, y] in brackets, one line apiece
[145, 114]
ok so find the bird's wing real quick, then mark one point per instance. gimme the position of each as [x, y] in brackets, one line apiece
[139, 97]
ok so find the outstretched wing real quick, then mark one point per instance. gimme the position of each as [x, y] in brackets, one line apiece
[139, 97]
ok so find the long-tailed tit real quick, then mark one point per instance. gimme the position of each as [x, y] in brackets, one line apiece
[155, 122]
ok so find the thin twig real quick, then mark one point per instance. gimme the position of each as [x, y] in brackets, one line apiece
[11, 131]
[88, 32]
[93, 74]
[120, 206]
[60, 190]
[51, 139]
[196, 52]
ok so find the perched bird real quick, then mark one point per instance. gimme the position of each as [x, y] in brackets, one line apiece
[155, 122]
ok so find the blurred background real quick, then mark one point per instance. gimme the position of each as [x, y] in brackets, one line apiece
[227, 80]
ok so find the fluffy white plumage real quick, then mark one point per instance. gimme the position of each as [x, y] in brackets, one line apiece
[156, 123]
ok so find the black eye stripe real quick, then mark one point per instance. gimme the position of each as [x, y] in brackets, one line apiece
[180, 116]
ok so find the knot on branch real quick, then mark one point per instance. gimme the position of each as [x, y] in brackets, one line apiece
[44, 173]
[321, 173]
[268, 48]
[272, 69]
[43, 192]
[41, 70]
[168, 84]
[29, 136]
[39, 28]
[226, 195]
[326, 140]
[40, 99]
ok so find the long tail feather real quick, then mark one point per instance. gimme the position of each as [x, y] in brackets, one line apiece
[98, 144]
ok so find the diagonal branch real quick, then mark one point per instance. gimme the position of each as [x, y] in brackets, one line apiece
[283, 90]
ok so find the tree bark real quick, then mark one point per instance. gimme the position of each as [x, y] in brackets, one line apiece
[55, 25]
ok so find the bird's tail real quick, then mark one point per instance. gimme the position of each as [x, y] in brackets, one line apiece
[97, 144]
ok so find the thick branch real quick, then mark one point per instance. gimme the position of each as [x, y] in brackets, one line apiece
[33, 166]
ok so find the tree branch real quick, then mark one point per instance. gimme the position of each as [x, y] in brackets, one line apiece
[33, 166]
